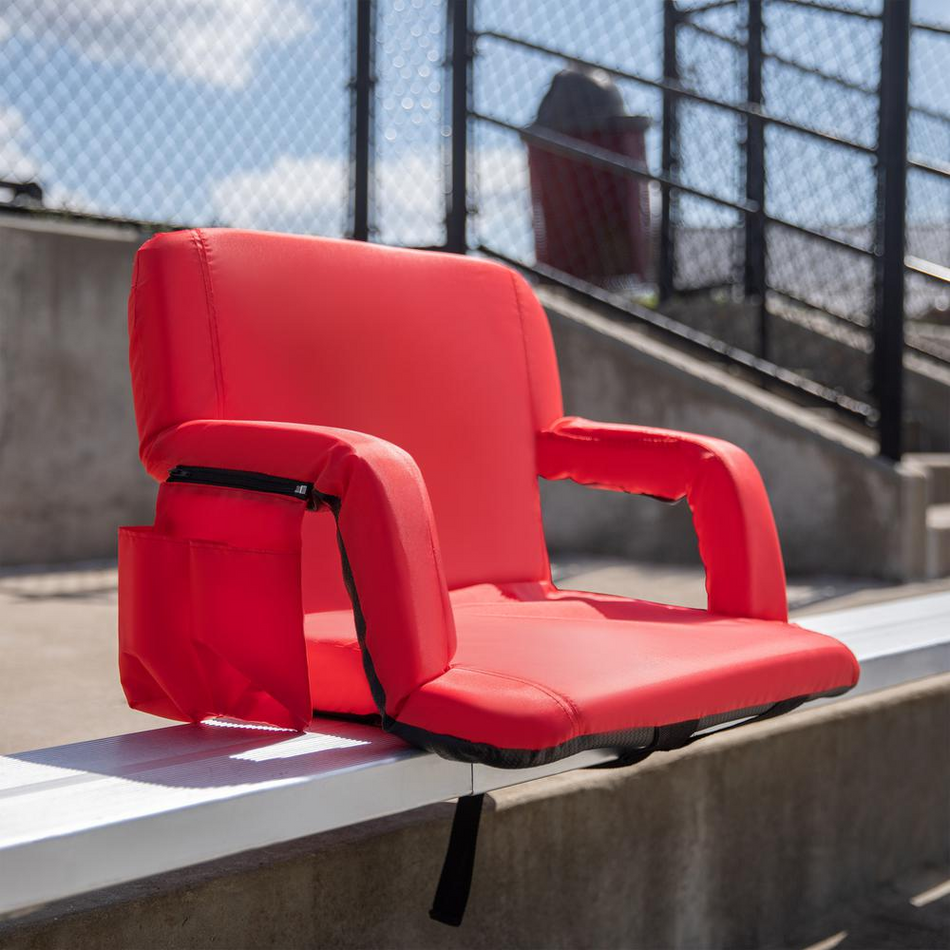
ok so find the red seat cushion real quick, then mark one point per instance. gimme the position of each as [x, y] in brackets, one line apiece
[338, 683]
[537, 668]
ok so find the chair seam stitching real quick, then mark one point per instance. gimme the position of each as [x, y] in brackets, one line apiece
[524, 348]
[570, 710]
[535, 423]
[202, 250]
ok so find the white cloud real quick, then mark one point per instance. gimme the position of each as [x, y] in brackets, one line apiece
[210, 40]
[288, 192]
[15, 163]
[503, 190]
[502, 173]
[311, 193]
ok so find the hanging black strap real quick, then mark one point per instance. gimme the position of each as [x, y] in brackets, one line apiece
[455, 882]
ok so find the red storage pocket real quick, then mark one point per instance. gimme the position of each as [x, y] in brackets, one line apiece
[211, 627]
[159, 666]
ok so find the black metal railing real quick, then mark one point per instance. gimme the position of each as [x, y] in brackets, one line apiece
[881, 403]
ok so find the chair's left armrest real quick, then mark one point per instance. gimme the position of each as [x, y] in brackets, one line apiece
[734, 526]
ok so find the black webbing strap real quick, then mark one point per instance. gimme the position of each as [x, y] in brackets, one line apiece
[680, 734]
[779, 709]
[664, 738]
[455, 881]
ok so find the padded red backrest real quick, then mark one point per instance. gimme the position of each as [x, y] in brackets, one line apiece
[448, 357]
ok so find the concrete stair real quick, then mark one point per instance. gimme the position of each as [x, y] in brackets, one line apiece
[839, 507]
[937, 466]
[938, 540]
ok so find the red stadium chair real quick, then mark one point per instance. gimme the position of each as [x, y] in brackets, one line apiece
[348, 440]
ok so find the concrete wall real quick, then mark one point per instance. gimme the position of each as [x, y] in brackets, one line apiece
[756, 838]
[69, 471]
[839, 508]
[835, 353]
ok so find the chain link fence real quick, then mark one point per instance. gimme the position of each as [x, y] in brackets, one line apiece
[177, 113]
[714, 162]
[768, 255]
[928, 185]
[222, 112]
[410, 100]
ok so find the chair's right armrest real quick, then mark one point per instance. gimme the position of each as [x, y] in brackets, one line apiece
[388, 543]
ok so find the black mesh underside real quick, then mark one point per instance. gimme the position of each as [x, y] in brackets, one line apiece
[622, 742]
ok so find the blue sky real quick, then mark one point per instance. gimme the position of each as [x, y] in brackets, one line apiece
[236, 111]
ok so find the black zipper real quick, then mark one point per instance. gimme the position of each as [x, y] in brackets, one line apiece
[250, 481]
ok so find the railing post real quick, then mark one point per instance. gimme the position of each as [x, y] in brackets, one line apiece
[668, 159]
[459, 41]
[888, 361]
[362, 89]
[754, 273]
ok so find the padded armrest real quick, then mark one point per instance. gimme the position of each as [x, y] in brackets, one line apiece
[738, 542]
[386, 529]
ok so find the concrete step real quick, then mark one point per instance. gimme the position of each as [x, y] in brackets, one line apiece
[938, 540]
[938, 469]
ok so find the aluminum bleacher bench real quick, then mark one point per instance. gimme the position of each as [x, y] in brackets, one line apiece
[95, 814]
